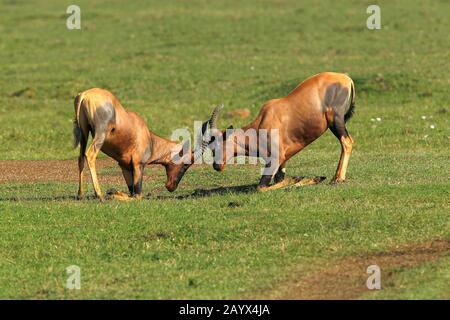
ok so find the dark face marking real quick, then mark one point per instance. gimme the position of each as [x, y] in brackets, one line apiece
[214, 146]
[181, 173]
[221, 148]
[174, 175]
[336, 97]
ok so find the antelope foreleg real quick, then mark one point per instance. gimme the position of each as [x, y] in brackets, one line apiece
[138, 176]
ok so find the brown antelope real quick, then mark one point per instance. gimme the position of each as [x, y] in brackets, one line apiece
[325, 100]
[125, 137]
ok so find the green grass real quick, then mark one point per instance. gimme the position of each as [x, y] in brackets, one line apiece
[429, 281]
[171, 62]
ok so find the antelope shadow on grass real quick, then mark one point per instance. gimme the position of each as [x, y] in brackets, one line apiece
[202, 193]
[197, 193]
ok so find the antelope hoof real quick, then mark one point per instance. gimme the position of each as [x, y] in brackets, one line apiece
[80, 196]
[100, 198]
[137, 196]
[118, 195]
[336, 181]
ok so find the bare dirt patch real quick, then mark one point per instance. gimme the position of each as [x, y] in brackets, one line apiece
[109, 174]
[25, 171]
[43, 170]
[346, 278]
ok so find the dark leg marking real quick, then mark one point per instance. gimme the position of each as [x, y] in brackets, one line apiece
[131, 187]
[137, 187]
[127, 174]
[338, 127]
[280, 175]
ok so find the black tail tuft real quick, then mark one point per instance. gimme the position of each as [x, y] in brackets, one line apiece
[76, 125]
[351, 109]
[76, 134]
[350, 112]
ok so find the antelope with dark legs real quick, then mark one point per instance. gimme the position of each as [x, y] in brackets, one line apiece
[323, 101]
[125, 137]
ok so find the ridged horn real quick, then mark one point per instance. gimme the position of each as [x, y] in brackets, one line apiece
[205, 134]
[214, 116]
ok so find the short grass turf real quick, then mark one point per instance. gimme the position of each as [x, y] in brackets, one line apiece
[171, 61]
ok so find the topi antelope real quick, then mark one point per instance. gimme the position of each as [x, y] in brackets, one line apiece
[124, 136]
[323, 101]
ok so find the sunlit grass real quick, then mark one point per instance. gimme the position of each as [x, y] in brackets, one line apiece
[171, 61]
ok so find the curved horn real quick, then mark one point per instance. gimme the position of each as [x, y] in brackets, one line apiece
[214, 116]
[205, 135]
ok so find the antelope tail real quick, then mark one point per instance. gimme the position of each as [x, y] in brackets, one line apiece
[76, 121]
[351, 108]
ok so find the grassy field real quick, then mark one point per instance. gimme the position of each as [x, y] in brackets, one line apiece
[171, 61]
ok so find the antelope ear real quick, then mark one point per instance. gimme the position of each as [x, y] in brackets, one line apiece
[186, 146]
[204, 126]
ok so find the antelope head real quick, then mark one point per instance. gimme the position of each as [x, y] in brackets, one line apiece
[176, 171]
